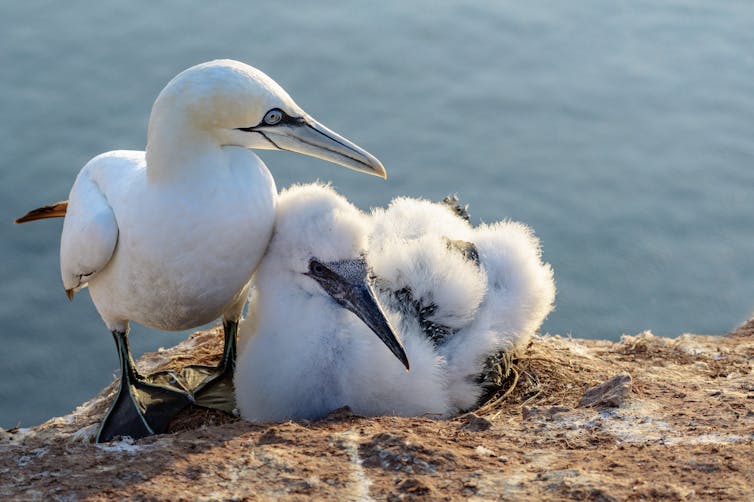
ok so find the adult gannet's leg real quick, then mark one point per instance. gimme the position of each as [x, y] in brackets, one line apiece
[140, 408]
[212, 387]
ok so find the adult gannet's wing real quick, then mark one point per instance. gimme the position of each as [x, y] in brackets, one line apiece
[56, 210]
[90, 233]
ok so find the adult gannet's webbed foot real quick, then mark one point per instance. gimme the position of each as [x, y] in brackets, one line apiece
[143, 406]
[212, 387]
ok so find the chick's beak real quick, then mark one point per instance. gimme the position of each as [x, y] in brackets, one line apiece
[347, 283]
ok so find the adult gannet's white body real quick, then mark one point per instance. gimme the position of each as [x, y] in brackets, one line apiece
[170, 237]
[455, 294]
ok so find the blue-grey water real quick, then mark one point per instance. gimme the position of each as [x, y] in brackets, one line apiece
[623, 132]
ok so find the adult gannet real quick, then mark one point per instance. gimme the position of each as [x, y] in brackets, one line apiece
[458, 296]
[169, 237]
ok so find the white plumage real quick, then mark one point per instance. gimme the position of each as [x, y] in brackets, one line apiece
[304, 356]
[170, 237]
[479, 309]
[185, 250]
[192, 215]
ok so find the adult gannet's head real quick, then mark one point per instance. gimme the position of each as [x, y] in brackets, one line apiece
[235, 104]
[319, 247]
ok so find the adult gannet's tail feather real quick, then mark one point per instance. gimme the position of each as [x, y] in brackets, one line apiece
[56, 210]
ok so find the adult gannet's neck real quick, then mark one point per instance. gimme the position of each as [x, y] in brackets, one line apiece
[177, 146]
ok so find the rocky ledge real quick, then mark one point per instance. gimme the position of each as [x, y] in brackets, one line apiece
[644, 418]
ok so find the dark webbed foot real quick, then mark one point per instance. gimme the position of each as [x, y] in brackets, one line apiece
[142, 409]
[143, 406]
[212, 387]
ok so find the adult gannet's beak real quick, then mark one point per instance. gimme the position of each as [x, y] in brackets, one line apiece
[307, 136]
[347, 283]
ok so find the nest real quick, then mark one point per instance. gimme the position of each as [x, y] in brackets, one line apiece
[546, 373]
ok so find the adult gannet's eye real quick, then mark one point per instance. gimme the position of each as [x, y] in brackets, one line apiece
[273, 116]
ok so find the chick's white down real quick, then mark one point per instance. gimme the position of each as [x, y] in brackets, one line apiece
[303, 355]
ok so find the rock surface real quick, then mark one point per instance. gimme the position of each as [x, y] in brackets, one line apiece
[612, 393]
[678, 425]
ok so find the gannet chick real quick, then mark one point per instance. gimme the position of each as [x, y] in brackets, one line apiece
[298, 344]
[456, 295]
[476, 293]
[170, 237]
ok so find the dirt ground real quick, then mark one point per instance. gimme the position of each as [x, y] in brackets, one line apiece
[676, 423]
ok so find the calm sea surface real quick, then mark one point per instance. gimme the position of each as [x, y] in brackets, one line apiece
[622, 132]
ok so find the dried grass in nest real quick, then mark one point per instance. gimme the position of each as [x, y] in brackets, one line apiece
[203, 348]
[544, 375]
[196, 417]
[648, 346]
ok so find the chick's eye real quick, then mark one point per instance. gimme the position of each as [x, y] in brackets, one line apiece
[316, 268]
[273, 116]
